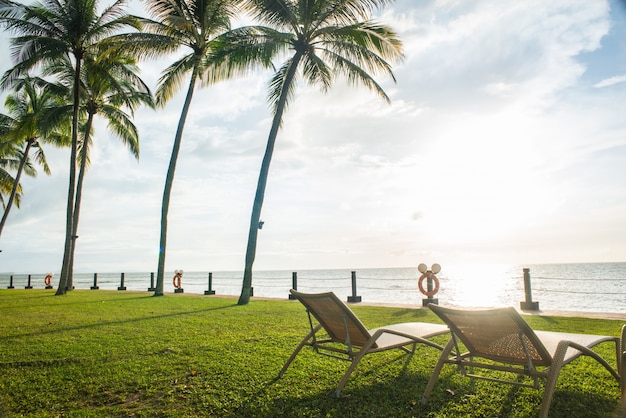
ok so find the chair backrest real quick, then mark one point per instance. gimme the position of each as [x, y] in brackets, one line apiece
[499, 334]
[335, 317]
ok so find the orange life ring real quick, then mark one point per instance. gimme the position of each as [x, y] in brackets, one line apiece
[47, 279]
[435, 281]
[176, 280]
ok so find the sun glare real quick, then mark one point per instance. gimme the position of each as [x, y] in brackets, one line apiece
[480, 285]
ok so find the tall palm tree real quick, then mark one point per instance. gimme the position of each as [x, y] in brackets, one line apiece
[204, 28]
[28, 117]
[56, 29]
[110, 87]
[321, 39]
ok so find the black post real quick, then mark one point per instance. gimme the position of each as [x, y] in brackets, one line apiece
[121, 286]
[95, 282]
[354, 297]
[151, 288]
[294, 284]
[210, 291]
[11, 283]
[528, 304]
[28, 286]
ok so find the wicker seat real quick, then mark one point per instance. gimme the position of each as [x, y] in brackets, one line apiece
[503, 338]
[348, 339]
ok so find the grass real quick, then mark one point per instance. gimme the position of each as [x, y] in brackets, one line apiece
[128, 354]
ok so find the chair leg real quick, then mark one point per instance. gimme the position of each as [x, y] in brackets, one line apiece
[435, 374]
[304, 342]
[553, 375]
[355, 362]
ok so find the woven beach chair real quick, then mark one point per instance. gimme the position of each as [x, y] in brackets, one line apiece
[500, 339]
[345, 337]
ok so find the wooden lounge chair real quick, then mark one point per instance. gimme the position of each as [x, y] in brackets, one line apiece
[348, 339]
[500, 339]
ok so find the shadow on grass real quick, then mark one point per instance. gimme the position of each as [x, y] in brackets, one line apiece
[63, 301]
[120, 322]
[405, 387]
[372, 400]
[401, 397]
[417, 313]
[375, 389]
[43, 294]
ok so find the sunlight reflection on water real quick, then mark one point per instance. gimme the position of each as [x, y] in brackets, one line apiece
[480, 285]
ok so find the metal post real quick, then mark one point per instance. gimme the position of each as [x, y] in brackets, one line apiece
[294, 284]
[28, 286]
[95, 282]
[11, 283]
[121, 286]
[354, 297]
[528, 304]
[210, 291]
[151, 288]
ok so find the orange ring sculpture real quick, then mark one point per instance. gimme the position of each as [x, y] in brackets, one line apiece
[420, 283]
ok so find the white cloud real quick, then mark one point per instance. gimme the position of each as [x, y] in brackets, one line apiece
[611, 81]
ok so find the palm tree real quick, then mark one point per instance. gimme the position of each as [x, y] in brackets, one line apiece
[109, 84]
[9, 161]
[322, 39]
[204, 28]
[50, 31]
[27, 118]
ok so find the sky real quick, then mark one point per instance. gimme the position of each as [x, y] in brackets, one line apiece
[505, 142]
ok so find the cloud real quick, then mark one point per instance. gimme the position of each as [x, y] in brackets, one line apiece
[611, 81]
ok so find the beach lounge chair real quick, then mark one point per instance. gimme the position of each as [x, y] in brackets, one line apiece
[500, 339]
[347, 338]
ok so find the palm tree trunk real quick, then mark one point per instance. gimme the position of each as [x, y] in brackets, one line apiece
[66, 281]
[20, 169]
[79, 189]
[169, 181]
[255, 218]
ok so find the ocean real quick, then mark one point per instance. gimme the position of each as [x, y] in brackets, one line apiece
[584, 287]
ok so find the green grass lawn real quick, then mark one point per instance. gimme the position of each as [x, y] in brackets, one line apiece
[128, 354]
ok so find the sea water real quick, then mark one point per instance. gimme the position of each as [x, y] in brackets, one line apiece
[586, 287]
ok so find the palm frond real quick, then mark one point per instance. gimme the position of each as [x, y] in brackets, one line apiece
[363, 41]
[40, 157]
[279, 14]
[172, 78]
[122, 126]
[317, 72]
[279, 83]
